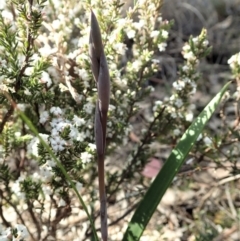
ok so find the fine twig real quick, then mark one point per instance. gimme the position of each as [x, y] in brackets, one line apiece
[34, 219]
[144, 141]
[6, 118]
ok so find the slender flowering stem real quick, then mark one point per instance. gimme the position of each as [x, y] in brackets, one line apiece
[101, 76]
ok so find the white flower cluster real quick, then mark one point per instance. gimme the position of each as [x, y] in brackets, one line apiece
[186, 85]
[157, 105]
[33, 145]
[234, 63]
[55, 119]
[234, 60]
[194, 46]
[188, 53]
[181, 84]
[46, 172]
[16, 187]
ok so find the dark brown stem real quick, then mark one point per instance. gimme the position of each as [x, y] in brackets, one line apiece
[35, 221]
[6, 117]
[103, 200]
[5, 222]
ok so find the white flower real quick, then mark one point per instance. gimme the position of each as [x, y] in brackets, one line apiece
[207, 141]
[136, 64]
[195, 40]
[154, 34]
[46, 173]
[28, 71]
[78, 121]
[179, 85]
[61, 203]
[122, 21]
[56, 121]
[33, 145]
[36, 176]
[186, 80]
[120, 48]
[162, 47]
[73, 133]
[80, 136]
[88, 107]
[47, 190]
[86, 157]
[47, 50]
[205, 43]
[164, 33]
[199, 137]
[45, 79]
[185, 68]
[112, 107]
[21, 232]
[157, 104]
[54, 132]
[131, 33]
[189, 116]
[56, 24]
[44, 117]
[92, 146]
[194, 88]
[139, 25]
[57, 143]
[84, 75]
[173, 115]
[56, 111]
[179, 103]
[176, 132]
[16, 189]
[51, 163]
[234, 61]
[5, 13]
[187, 52]
[186, 48]
[189, 161]
[27, 92]
[62, 125]
[79, 186]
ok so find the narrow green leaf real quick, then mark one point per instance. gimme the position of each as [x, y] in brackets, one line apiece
[157, 189]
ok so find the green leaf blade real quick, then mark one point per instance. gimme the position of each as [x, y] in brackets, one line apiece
[164, 178]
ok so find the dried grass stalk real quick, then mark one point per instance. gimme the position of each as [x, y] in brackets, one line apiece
[101, 76]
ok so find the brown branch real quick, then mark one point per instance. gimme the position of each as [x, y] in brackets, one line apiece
[35, 221]
[6, 117]
[5, 222]
[140, 148]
